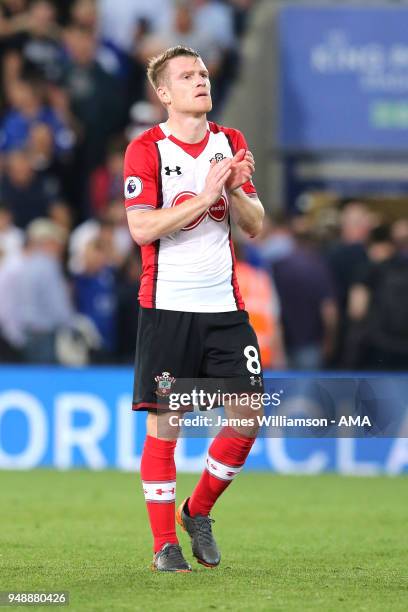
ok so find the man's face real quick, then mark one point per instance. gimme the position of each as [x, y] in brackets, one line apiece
[186, 86]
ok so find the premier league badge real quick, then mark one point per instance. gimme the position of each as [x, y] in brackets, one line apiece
[164, 383]
[133, 187]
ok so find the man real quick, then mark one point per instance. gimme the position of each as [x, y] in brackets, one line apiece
[43, 295]
[28, 193]
[302, 277]
[378, 306]
[182, 180]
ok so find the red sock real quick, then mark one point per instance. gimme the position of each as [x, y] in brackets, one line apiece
[226, 458]
[158, 474]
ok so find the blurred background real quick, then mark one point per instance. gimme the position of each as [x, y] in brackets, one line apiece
[320, 92]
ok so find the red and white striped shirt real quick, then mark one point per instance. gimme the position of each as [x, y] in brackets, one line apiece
[193, 269]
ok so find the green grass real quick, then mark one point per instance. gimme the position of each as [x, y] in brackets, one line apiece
[288, 543]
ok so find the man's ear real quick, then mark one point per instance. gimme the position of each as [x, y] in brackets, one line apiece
[163, 95]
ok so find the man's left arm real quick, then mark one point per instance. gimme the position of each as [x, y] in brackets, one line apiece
[246, 208]
[247, 211]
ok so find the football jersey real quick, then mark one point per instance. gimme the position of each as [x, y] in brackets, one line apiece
[192, 269]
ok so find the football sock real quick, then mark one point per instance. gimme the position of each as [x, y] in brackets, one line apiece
[158, 474]
[225, 459]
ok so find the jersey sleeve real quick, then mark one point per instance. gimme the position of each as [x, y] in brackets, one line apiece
[141, 177]
[237, 142]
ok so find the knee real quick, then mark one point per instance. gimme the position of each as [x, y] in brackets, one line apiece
[164, 425]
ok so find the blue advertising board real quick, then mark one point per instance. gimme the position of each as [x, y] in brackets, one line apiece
[62, 418]
[343, 77]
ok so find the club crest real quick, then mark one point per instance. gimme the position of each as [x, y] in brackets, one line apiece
[164, 383]
[217, 157]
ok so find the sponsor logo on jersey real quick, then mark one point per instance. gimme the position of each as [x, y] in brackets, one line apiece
[169, 170]
[164, 383]
[133, 187]
[217, 211]
[217, 157]
[182, 197]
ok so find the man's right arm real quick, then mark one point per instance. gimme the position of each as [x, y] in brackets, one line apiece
[147, 225]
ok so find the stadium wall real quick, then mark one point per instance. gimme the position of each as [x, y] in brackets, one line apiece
[63, 419]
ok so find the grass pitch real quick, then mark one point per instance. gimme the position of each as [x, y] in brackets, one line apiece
[288, 543]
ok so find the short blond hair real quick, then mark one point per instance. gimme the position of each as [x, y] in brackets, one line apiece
[156, 65]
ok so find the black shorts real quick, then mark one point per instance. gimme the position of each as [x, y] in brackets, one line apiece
[174, 346]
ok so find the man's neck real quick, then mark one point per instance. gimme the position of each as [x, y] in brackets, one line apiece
[188, 129]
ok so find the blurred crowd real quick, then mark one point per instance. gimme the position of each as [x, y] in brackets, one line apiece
[73, 89]
[339, 277]
[323, 290]
[73, 93]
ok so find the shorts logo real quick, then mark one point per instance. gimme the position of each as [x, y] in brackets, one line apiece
[217, 211]
[164, 383]
[217, 157]
[133, 187]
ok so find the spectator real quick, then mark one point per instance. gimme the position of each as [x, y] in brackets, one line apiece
[275, 242]
[37, 38]
[65, 163]
[11, 246]
[106, 182]
[28, 194]
[183, 31]
[61, 214]
[216, 21]
[145, 114]
[81, 236]
[40, 148]
[11, 11]
[28, 110]
[11, 70]
[399, 234]
[349, 252]
[96, 101]
[95, 295]
[241, 11]
[111, 228]
[309, 311]
[12, 8]
[378, 307]
[122, 242]
[119, 21]
[11, 330]
[128, 307]
[45, 305]
[107, 236]
[344, 257]
[84, 14]
[262, 304]
[11, 237]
